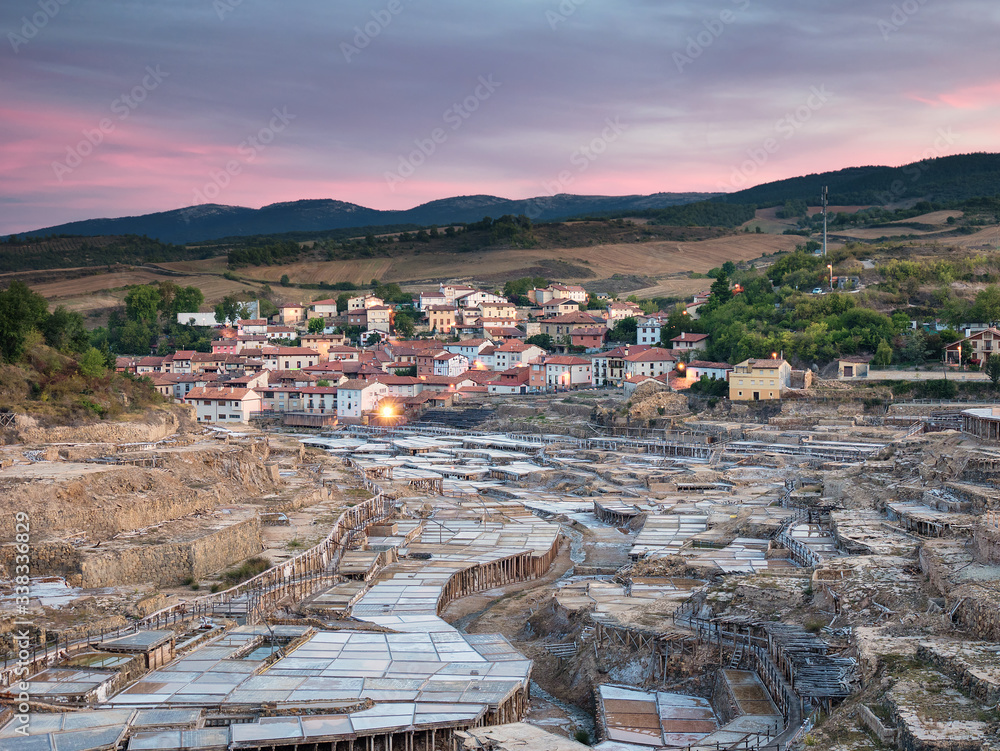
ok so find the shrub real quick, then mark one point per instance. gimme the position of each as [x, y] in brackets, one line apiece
[247, 570]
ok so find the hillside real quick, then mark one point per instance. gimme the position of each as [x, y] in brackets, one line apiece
[102, 250]
[646, 264]
[213, 221]
[945, 179]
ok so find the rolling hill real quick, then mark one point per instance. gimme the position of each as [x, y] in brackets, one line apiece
[945, 179]
[213, 221]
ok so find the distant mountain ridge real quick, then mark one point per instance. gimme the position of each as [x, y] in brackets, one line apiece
[212, 221]
[944, 179]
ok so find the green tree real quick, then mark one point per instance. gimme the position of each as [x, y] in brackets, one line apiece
[342, 301]
[65, 331]
[135, 338]
[915, 348]
[230, 309]
[986, 308]
[142, 303]
[267, 308]
[624, 331]
[883, 356]
[993, 368]
[186, 300]
[676, 322]
[21, 310]
[403, 323]
[540, 340]
[721, 294]
[285, 281]
[167, 292]
[92, 363]
[793, 208]
[316, 325]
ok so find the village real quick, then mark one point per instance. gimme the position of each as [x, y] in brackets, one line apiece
[469, 343]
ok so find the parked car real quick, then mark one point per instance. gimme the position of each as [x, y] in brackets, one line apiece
[817, 290]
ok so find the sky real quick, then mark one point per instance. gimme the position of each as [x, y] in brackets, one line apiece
[123, 107]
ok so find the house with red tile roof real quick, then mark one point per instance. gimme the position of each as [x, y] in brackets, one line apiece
[223, 405]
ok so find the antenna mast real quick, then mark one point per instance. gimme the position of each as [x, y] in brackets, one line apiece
[825, 195]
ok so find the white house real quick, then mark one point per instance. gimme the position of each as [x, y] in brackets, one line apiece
[281, 332]
[428, 299]
[401, 386]
[563, 371]
[452, 292]
[619, 311]
[713, 370]
[513, 353]
[226, 404]
[477, 298]
[566, 291]
[321, 399]
[324, 308]
[648, 328]
[651, 362]
[364, 301]
[252, 326]
[450, 364]
[688, 342]
[289, 358]
[468, 348]
[356, 398]
[178, 362]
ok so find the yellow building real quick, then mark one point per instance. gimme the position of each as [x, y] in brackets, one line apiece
[759, 380]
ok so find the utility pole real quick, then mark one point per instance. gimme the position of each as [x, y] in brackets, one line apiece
[825, 196]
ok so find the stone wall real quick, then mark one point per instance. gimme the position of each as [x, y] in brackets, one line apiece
[153, 425]
[123, 499]
[723, 701]
[978, 606]
[171, 563]
[47, 559]
[986, 544]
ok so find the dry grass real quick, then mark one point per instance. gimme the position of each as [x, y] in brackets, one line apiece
[934, 217]
[653, 259]
[103, 291]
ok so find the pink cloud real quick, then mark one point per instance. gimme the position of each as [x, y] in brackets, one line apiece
[979, 97]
